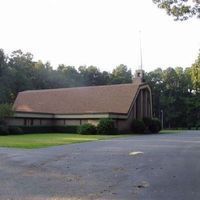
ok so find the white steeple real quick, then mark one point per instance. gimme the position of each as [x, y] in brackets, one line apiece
[139, 73]
[141, 61]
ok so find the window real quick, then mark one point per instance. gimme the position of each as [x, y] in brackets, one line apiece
[28, 122]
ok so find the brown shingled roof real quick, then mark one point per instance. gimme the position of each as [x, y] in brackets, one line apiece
[81, 100]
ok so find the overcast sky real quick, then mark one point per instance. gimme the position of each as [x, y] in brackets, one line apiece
[104, 33]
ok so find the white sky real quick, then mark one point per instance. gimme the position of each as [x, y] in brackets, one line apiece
[104, 33]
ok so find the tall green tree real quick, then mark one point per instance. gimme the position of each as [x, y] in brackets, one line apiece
[195, 73]
[155, 80]
[22, 71]
[180, 9]
[172, 91]
[5, 80]
[121, 74]
[71, 75]
[91, 75]
[2, 62]
[5, 111]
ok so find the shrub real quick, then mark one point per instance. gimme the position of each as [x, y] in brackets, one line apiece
[4, 130]
[147, 121]
[197, 126]
[189, 126]
[37, 129]
[2, 122]
[138, 126]
[155, 125]
[106, 126]
[15, 130]
[87, 129]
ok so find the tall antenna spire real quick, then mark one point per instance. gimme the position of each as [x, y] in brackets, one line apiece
[139, 73]
[141, 61]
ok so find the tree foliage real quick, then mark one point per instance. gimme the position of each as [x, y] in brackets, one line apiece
[195, 73]
[121, 74]
[19, 72]
[180, 9]
[5, 111]
[175, 94]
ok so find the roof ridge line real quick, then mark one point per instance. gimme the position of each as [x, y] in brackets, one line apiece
[81, 87]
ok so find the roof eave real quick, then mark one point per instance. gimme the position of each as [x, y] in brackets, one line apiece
[21, 114]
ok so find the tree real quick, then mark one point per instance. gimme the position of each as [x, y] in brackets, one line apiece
[21, 71]
[188, 79]
[91, 75]
[171, 79]
[71, 75]
[195, 73]
[5, 111]
[105, 78]
[4, 78]
[172, 100]
[172, 93]
[121, 74]
[2, 62]
[180, 9]
[155, 80]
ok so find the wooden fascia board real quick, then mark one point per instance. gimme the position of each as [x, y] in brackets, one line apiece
[32, 115]
[69, 116]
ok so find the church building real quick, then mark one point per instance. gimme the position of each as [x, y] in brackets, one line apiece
[80, 105]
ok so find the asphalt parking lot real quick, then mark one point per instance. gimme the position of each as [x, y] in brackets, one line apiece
[146, 167]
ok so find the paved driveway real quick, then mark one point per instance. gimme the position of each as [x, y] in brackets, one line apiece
[169, 168]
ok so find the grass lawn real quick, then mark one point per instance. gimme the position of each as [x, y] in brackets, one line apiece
[170, 131]
[31, 141]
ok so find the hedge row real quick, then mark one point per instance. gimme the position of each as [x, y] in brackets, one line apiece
[105, 126]
[15, 130]
[4, 130]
